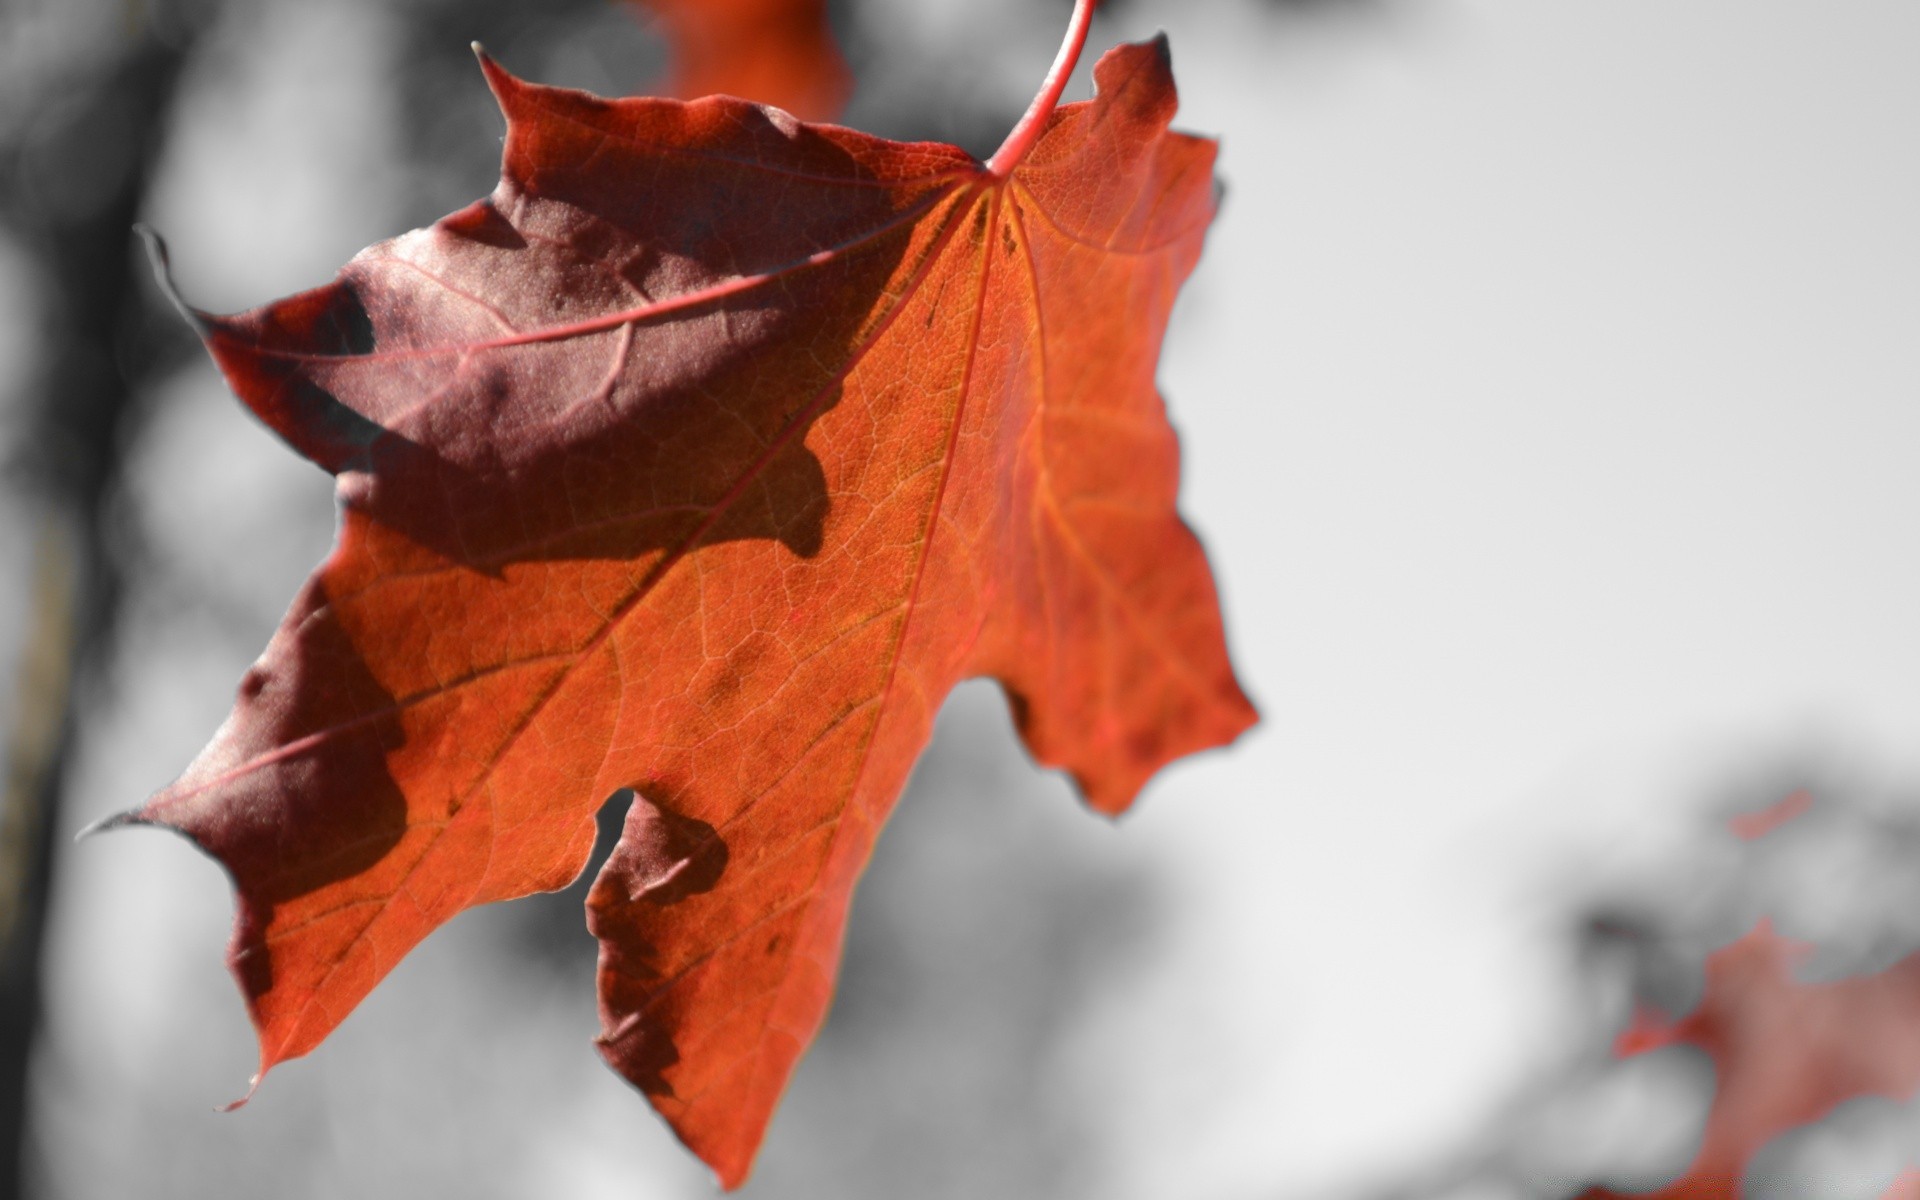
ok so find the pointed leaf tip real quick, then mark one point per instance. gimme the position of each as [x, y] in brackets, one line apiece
[162, 264]
[499, 80]
[1137, 77]
[120, 820]
[253, 1085]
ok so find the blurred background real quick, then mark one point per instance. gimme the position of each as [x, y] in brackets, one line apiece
[1550, 397]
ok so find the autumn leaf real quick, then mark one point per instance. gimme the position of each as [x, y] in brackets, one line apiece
[1785, 1053]
[703, 458]
[779, 52]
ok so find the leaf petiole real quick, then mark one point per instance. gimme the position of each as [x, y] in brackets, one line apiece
[1027, 131]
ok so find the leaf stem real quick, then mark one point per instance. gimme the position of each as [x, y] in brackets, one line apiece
[1027, 131]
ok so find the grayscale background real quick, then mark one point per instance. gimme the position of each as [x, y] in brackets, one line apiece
[1550, 396]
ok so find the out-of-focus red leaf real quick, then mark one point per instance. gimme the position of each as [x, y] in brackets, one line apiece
[704, 458]
[1785, 1053]
[1751, 827]
[1907, 1187]
[779, 52]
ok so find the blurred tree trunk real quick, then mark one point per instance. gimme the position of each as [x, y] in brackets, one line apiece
[81, 160]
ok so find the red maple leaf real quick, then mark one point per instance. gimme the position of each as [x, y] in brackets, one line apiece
[703, 458]
[1785, 1053]
[779, 52]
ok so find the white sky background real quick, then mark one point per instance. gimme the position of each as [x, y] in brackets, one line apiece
[1550, 391]
[1552, 407]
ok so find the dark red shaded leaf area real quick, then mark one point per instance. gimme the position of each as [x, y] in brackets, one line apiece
[1785, 1053]
[779, 52]
[703, 458]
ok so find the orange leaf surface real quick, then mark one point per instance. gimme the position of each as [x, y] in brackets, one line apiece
[778, 52]
[703, 458]
[1785, 1053]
